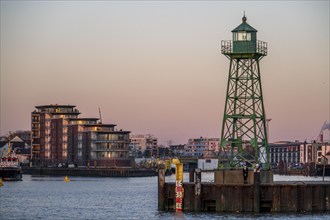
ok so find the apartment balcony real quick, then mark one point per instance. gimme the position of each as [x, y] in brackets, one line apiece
[109, 150]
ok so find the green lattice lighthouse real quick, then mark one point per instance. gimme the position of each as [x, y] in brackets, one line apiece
[244, 134]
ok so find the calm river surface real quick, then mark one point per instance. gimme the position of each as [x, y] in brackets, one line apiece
[105, 198]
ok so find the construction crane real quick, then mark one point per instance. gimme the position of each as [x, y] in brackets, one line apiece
[100, 115]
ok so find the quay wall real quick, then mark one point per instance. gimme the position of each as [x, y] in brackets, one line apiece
[90, 172]
[241, 198]
[255, 196]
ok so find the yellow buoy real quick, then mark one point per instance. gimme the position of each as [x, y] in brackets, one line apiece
[66, 179]
[1, 183]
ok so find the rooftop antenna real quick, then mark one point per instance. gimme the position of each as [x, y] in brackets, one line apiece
[244, 18]
[100, 115]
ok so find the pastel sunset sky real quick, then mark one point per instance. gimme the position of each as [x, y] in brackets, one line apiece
[156, 66]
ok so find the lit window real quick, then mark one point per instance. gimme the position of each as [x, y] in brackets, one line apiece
[243, 36]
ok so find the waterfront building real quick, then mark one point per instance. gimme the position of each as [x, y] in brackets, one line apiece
[293, 153]
[75, 129]
[284, 151]
[314, 152]
[60, 137]
[49, 125]
[98, 145]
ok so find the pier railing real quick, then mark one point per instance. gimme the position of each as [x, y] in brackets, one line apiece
[260, 48]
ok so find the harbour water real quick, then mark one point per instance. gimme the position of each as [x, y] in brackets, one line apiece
[108, 198]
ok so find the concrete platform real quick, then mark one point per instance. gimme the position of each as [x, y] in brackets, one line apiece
[229, 194]
[236, 177]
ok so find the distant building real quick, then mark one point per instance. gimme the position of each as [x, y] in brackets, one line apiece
[212, 147]
[59, 136]
[297, 152]
[202, 147]
[21, 148]
[178, 149]
[327, 155]
[100, 145]
[313, 152]
[143, 143]
[196, 147]
[16, 143]
[285, 151]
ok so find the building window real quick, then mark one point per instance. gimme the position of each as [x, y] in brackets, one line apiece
[242, 36]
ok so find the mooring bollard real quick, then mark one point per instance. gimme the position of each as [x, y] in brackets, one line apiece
[198, 190]
[161, 189]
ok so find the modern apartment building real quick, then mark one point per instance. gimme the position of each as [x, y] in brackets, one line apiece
[49, 124]
[98, 145]
[59, 136]
[75, 129]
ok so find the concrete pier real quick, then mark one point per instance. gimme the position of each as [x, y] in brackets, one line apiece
[236, 177]
[256, 196]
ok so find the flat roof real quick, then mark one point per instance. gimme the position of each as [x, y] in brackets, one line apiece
[101, 125]
[54, 106]
[113, 132]
[65, 113]
[83, 119]
[284, 144]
